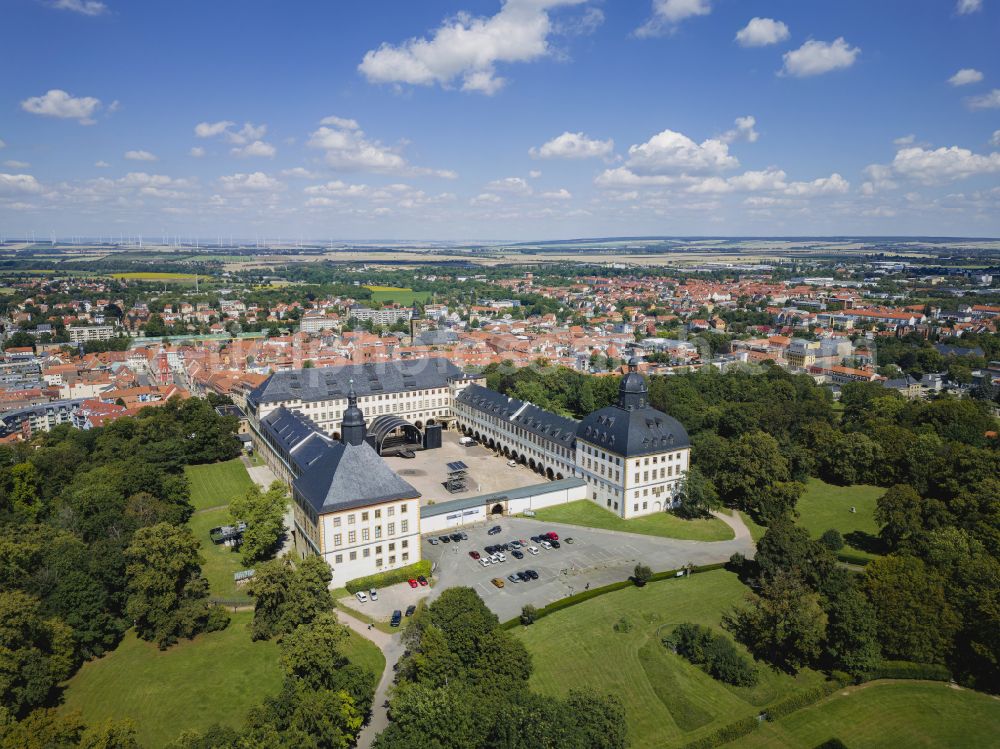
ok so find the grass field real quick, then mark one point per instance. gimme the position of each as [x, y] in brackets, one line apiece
[897, 713]
[405, 297]
[213, 486]
[824, 506]
[214, 678]
[668, 701]
[586, 513]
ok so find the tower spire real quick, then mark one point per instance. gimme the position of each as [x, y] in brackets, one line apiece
[352, 427]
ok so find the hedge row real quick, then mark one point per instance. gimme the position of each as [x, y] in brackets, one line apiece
[802, 699]
[385, 579]
[908, 670]
[586, 595]
[849, 558]
[730, 732]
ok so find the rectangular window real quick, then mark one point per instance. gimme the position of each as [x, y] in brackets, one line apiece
[338, 539]
[350, 519]
[392, 547]
[406, 557]
[336, 522]
[364, 534]
[404, 526]
[378, 514]
[364, 517]
[352, 537]
[392, 529]
[378, 562]
[391, 511]
[354, 555]
[405, 544]
[366, 552]
[402, 508]
[378, 531]
[392, 560]
[635, 508]
[378, 549]
[338, 559]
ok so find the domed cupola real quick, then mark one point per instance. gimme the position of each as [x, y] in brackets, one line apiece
[633, 392]
[352, 426]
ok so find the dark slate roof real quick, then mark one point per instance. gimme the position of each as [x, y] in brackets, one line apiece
[299, 435]
[457, 505]
[946, 349]
[547, 425]
[348, 476]
[632, 432]
[332, 383]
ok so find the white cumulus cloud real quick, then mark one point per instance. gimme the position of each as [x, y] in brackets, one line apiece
[467, 48]
[573, 146]
[965, 7]
[140, 156]
[58, 103]
[995, 140]
[816, 58]
[342, 122]
[965, 76]
[672, 152]
[744, 130]
[760, 32]
[253, 182]
[256, 148]
[197, 152]
[346, 147]
[985, 101]
[943, 164]
[561, 194]
[15, 164]
[18, 183]
[83, 7]
[668, 13]
[102, 164]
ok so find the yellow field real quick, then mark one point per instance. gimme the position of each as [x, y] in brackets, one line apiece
[386, 288]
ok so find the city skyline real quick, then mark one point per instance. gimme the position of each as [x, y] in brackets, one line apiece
[528, 119]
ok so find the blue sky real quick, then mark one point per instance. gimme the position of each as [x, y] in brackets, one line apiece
[482, 119]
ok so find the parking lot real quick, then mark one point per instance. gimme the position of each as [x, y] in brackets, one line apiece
[389, 599]
[596, 557]
[427, 471]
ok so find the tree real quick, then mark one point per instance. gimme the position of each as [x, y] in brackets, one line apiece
[287, 596]
[24, 496]
[852, 643]
[787, 547]
[641, 574]
[111, 734]
[915, 620]
[309, 593]
[899, 512]
[167, 596]
[528, 614]
[269, 587]
[754, 476]
[263, 513]
[832, 540]
[698, 496]
[312, 653]
[36, 653]
[783, 625]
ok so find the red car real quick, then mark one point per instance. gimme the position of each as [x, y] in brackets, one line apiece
[474, 554]
[412, 582]
[552, 536]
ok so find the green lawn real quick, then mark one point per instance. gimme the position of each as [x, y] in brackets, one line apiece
[216, 484]
[213, 486]
[214, 678]
[824, 506]
[888, 713]
[404, 297]
[668, 701]
[584, 512]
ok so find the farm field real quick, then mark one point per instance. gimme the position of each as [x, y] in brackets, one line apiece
[668, 701]
[214, 678]
[824, 506]
[883, 713]
[213, 486]
[155, 276]
[405, 297]
[586, 513]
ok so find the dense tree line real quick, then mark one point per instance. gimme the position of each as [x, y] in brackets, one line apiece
[463, 683]
[92, 542]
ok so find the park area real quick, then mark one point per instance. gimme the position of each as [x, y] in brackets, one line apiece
[214, 678]
[213, 487]
[668, 525]
[668, 701]
[401, 296]
[888, 713]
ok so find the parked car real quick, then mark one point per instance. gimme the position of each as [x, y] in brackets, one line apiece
[511, 463]
[408, 454]
[432, 541]
[517, 554]
[474, 554]
[497, 581]
[532, 550]
[421, 579]
[552, 536]
[410, 610]
[494, 530]
[444, 539]
[456, 537]
[485, 561]
[555, 544]
[397, 616]
[466, 441]
[360, 595]
[568, 540]
[545, 544]
[374, 594]
[412, 582]
[501, 556]
[513, 578]
[532, 574]
[464, 536]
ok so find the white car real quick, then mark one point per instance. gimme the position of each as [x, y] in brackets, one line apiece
[501, 556]
[485, 561]
[360, 595]
[374, 594]
[532, 549]
[546, 545]
[512, 463]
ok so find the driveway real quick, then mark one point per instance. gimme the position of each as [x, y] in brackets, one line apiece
[597, 557]
[389, 599]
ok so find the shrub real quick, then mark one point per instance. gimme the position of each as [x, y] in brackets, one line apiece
[908, 670]
[832, 744]
[728, 733]
[713, 653]
[736, 562]
[385, 579]
[528, 614]
[832, 540]
[800, 700]
[642, 574]
[623, 625]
